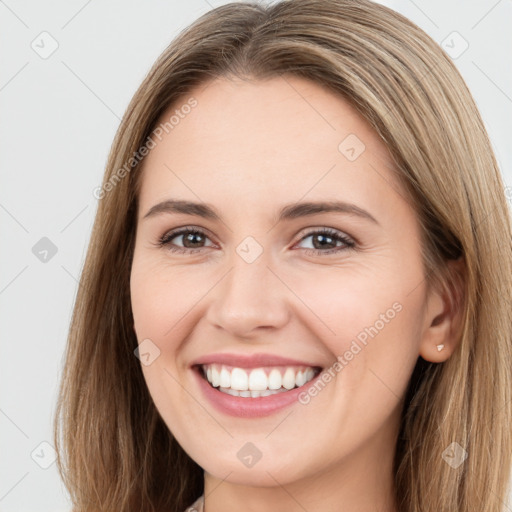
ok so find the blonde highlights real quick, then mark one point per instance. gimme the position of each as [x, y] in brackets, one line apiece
[114, 450]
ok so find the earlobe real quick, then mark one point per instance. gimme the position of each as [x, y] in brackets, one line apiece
[444, 315]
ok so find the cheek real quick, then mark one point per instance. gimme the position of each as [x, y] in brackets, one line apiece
[161, 297]
[162, 301]
[370, 321]
[372, 331]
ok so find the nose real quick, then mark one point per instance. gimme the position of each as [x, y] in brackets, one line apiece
[248, 299]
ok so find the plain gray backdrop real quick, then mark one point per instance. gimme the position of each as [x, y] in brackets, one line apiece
[68, 70]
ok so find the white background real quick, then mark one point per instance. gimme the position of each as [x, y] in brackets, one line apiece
[59, 116]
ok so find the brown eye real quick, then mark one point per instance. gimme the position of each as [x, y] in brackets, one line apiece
[327, 241]
[191, 238]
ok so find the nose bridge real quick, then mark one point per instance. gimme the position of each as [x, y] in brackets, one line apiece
[248, 280]
[248, 297]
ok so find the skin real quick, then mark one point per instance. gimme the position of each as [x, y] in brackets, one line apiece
[247, 149]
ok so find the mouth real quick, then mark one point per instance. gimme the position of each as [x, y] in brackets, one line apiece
[256, 382]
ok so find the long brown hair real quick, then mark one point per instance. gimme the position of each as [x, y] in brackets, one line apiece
[114, 450]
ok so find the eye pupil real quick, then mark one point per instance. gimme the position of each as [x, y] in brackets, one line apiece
[190, 238]
[322, 239]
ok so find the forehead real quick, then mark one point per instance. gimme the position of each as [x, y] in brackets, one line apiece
[286, 135]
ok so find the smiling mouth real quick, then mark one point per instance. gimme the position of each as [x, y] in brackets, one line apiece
[256, 382]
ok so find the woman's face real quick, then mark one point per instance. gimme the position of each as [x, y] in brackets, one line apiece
[273, 271]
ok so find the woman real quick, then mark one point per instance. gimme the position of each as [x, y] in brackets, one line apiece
[291, 298]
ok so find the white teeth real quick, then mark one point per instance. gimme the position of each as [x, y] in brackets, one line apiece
[239, 380]
[274, 379]
[257, 382]
[252, 394]
[215, 377]
[225, 378]
[289, 379]
[230, 391]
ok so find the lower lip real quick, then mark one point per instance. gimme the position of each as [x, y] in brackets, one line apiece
[249, 407]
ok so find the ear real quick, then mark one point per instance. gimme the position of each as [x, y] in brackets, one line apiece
[444, 314]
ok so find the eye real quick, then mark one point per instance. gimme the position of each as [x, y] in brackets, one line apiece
[192, 238]
[323, 240]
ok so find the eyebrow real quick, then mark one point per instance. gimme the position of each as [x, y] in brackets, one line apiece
[287, 212]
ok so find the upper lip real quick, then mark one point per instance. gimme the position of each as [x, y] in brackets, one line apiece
[250, 361]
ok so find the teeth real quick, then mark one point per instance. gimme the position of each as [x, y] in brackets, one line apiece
[300, 379]
[239, 380]
[274, 379]
[225, 378]
[215, 377]
[252, 394]
[289, 379]
[230, 391]
[258, 381]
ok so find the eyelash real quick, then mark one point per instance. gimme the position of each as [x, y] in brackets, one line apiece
[165, 240]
